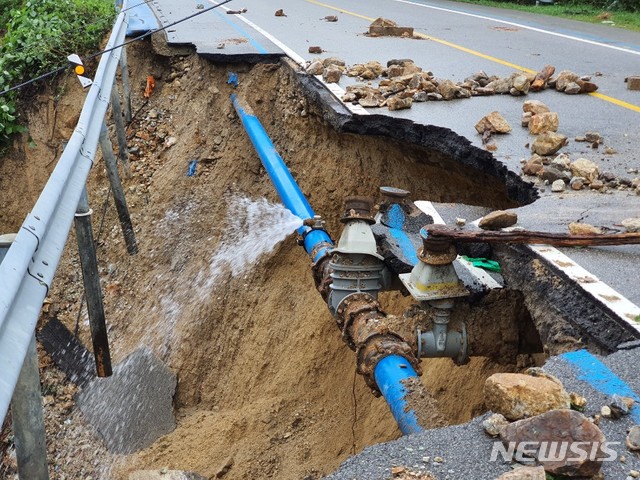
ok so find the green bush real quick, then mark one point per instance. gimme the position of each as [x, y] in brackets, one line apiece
[39, 36]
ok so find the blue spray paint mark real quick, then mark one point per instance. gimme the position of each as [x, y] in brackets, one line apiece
[395, 222]
[244, 33]
[598, 375]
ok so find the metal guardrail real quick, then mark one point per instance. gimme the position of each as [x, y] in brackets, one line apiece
[29, 266]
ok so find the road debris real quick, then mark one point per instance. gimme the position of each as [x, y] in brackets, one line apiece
[542, 77]
[633, 438]
[494, 122]
[498, 219]
[559, 425]
[576, 228]
[494, 424]
[330, 18]
[148, 89]
[315, 49]
[548, 143]
[383, 27]
[524, 473]
[280, 13]
[633, 83]
[631, 225]
[236, 12]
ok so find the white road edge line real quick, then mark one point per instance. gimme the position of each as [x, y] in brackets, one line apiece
[335, 89]
[527, 27]
[479, 274]
[624, 308]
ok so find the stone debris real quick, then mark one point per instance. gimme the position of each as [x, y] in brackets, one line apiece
[557, 186]
[577, 183]
[397, 103]
[543, 122]
[403, 473]
[330, 18]
[620, 405]
[316, 50]
[571, 83]
[586, 169]
[385, 27]
[559, 425]
[548, 143]
[493, 424]
[578, 402]
[493, 123]
[315, 68]
[280, 13]
[535, 107]
[633, 83]
[576, 228]
[518, 396]
[524, 473]
[332, 74]
[631, 225]
[498, 219]
[633, 438]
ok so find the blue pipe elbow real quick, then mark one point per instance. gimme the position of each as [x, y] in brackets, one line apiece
[389, 373]
[284, 183]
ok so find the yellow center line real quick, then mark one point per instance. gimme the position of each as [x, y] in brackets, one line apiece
[606, 98]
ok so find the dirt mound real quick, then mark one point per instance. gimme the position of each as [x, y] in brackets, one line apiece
[265, 384]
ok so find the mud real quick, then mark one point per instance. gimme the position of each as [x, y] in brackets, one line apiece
[266, 387]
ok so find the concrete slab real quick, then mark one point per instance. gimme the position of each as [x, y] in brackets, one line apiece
[134, 407]
[141, 20]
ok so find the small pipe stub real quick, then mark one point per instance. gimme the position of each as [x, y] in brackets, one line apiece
[358, 208]
[436, 252]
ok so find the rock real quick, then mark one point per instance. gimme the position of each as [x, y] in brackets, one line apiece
[596, 185]
[521, 83]
[607, 176]
[383, 22]
[576, 183]
[397, 103]
[316, 68]
[447, 89]
[633, 438]
[578, 402]
[552, 174]
[371, 100]
[559, 426]
[533, 166]
[331, 74]
[620, 405]
[631, 225]
[544, 122]
[562, 162]
[586, 169]
[493, 424]
[280, 13]
[535, 107]
[548, 143]
[593, 137]
[576, 228]
[564, 78]
[315, 49]
[517, 396]
[572, 88]
[420, 97]
[497, 220]
[170, 142]
[526, 118]
[524, 473]
[331, 18]
[500, 85]
[333, 61]
[557, 186]
[493, 122]
[349, 97]
[375, 67]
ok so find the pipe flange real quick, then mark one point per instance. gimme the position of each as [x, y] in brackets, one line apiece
[431, 257]
[380, 346]
[351, 306]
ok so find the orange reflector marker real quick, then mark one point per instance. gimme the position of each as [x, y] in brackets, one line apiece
[79, 70]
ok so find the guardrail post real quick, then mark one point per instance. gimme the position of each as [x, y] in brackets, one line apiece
[126, 86]
[28, 420]
[121, 134]
[118, 192]
[92, 289]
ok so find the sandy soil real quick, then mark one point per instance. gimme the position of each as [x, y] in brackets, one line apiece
[265, 384]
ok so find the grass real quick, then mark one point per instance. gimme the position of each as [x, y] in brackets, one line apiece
[583, 13]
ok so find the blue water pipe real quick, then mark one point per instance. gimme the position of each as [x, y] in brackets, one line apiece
[390, 371]
[287, 188]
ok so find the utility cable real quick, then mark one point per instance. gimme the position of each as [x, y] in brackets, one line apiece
[102, 52]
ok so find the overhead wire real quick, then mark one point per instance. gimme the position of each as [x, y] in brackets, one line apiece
[123, 44]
